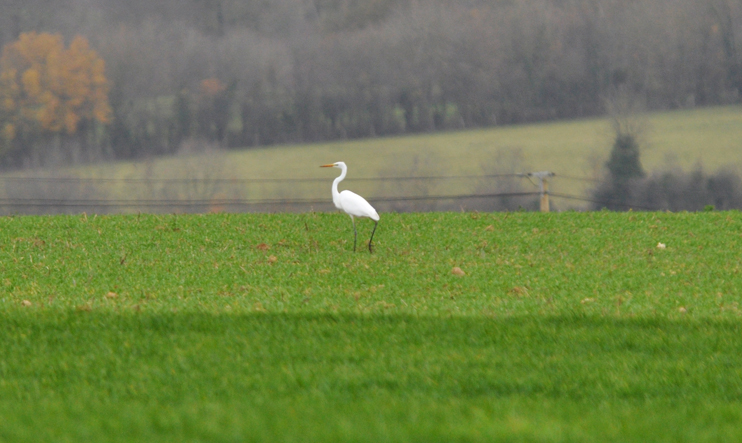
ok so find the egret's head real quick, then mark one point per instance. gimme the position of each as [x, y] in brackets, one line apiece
[334, 165]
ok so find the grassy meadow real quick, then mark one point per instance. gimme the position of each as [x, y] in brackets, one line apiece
[561, 327]
[575, 150]
[711, 137]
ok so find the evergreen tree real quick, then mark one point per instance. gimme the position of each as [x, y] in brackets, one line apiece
[623, 167]
[624, 163]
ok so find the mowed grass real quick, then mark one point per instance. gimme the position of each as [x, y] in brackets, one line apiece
[267, 327]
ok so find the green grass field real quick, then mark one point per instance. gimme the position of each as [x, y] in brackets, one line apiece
[563, 327]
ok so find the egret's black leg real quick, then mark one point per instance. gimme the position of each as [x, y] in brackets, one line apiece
[370, 242]
[355, 233]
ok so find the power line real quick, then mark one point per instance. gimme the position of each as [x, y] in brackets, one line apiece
[454, 197]
[605, 202]
[585, 179]
[41, 202]
[225, 202]
[193, 203]
[239, 180]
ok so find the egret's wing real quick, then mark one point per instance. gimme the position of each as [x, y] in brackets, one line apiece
[356, 205]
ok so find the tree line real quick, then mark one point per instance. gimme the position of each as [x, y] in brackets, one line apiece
[238, 73]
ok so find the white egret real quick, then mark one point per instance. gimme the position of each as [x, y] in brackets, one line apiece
[352, 204]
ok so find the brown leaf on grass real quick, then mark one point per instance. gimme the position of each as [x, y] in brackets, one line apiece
[111, 295]
[26, 303]
[489, 228]
[263, 247]
[457, 271]
[272, 259]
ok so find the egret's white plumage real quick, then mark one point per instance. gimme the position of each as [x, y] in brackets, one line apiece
[352, 203]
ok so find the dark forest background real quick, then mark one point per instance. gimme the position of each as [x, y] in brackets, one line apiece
[247, 73]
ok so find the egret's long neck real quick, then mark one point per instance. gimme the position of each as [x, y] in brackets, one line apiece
[335, 193]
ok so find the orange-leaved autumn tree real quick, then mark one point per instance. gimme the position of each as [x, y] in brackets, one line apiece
[47, 89]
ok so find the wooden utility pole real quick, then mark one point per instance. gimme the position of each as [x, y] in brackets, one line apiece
[543, 185]
[544, 196]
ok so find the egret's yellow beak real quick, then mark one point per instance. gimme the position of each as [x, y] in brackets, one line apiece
[327, 166]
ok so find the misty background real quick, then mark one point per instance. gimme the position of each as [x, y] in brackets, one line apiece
[235, 73]
[311, 70]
